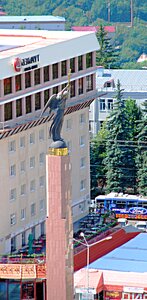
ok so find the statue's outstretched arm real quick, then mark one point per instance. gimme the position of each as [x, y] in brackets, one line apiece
[48, 104]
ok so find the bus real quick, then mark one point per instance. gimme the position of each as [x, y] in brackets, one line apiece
[124, 205]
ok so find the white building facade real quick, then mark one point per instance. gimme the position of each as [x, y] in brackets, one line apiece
[134, 84]
[34, 65]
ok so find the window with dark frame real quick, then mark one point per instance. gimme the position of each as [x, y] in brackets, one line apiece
[37, 101]
[80, 86]
[19, 108]
[80, 62]
[46, 73]
[72, 64]
[64, 68]
[89, 83]
[46, 96]
[18, 83]
[55, 71]
[7, 86]
[28, 105]
[72, 89]
[27, 80]
[89, 60]
[8, 111]
[37, 76]
[55, 90]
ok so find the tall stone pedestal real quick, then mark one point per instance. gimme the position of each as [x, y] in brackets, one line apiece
[59, 228]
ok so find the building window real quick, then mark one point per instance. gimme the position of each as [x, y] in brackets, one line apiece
[42, 228]
[8, 111]
[82, 162]
[18, 83]
[13, 244]
[89, 83]
[32, 138]
[82, 185]
[80, 62]
[27, 80]
[22, 166]
[55, 71]
[33, 209]
[23, 214]
[42, 181]
[102, 105]
[110, 104]
[72, 89]
[41, 135]
[23, 238]
[72, 65]
[23, 189]
[82, 141]
[19, 108]
[13, 194]
[46, 73]
[32, 162]
[55, 90]
[7, 86]
[12, 219]
[28, 105]
[12, 146]
[22, 142]
[64, 68]
[82, 118]
[46, 96]
[89, 60]
[80, 86]
[42, 204]
[37, 76]
[32, 186]
[41, 158]
[12, 170]
[37, 101]
[68, 124]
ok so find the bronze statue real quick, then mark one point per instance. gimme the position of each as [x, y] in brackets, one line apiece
[57, 104]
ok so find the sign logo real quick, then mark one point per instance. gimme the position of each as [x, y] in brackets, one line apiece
[17, 64]
[27, 63]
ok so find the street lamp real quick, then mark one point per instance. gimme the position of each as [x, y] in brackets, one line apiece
[88, 253]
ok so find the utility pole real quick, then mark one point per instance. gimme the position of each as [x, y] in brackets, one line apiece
[108, 10]
[131, 5]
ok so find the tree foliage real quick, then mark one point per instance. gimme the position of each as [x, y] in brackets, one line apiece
[120, 151]
[141, 158]
[107, 55]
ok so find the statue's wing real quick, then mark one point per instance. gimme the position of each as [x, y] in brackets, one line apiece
[51, 103]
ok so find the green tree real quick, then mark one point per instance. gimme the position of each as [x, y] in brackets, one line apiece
[97, 167]
[142, 153]
[107, 55]
[120, 157]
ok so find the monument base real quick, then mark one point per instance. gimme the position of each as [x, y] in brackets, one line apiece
[58, 151]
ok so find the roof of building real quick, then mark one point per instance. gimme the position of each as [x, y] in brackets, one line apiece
[109, 279]
[130, 257]
[130, 80]
[110, 29]
[19, 19]
[51, 46]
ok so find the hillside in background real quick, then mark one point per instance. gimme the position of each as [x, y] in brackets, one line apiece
[131, 41]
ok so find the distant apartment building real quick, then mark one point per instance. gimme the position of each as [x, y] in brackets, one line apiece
[34, 65]
[133, 82]
[32, 22]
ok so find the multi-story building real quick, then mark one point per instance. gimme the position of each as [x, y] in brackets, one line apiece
[133, 83]
[34, 65]
[32, 22]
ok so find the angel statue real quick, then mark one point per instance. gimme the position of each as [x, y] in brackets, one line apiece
[56, 104]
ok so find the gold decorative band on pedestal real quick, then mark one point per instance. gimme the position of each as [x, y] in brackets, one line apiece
[58, 151]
